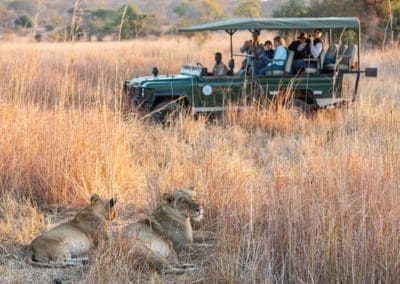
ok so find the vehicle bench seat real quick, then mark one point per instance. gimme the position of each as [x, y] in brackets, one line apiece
[320, 63]
[346, 60]
[288, 66]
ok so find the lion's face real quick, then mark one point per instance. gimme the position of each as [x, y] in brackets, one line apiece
[105, 206]
[182, 204]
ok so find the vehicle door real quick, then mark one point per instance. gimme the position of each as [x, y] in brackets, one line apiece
[218, 92]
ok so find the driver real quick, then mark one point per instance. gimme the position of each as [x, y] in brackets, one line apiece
[219, 68]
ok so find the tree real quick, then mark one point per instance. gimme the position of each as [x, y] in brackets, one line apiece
[23, 21]
[248, 9]
[198, 11]
[22, 6]
[378, 18]
[100, 22]
[293, 8]
[210, 11]
[130, 21]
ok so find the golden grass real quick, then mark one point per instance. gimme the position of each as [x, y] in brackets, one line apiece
[291, 200]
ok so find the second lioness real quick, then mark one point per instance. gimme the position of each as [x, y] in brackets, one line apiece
[62, 245]
[168, 231]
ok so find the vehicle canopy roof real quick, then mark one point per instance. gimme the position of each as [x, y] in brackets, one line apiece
[277, 24]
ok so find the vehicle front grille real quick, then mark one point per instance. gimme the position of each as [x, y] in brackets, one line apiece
[137, 91]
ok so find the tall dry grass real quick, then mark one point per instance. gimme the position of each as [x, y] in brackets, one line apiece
[290, 200]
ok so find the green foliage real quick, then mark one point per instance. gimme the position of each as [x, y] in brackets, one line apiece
[248, 9]
[38, 37]
[374, 15]
[181, 9]
[194, 12]
[131, 21]
[57, 21]
[293, 8]
[24, 21]
[22, 6]
[210, 11]
[100, 22]
[198, 11]
[74, 33]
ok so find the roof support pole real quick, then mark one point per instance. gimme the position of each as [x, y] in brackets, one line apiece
[231, 61]
[358, 64]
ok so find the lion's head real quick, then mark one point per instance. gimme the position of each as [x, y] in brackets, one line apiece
[103, 206]
[181, 204]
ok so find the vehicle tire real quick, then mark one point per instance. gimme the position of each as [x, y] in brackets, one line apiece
[300, 108]
[166, 112]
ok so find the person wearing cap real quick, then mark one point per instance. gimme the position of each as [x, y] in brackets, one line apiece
[301, 39]
[311, 48]
[253, 49]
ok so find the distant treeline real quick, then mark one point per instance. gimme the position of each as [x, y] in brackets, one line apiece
[380, 19]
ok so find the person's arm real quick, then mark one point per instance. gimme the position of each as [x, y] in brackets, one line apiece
[245, 47]
[224, 70]
[316, 49]
[301, 46]
[277, 55]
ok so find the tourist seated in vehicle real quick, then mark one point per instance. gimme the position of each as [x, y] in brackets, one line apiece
[312, 49]
[268, 50]
[219, 68]
[279, 59]
[265, 57]
[301, 39]
[252, 50]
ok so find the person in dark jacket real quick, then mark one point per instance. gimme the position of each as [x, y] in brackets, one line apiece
[301, 39]
[311, 48]
[265, 57]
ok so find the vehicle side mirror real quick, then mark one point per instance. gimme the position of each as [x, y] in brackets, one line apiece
[371, 72]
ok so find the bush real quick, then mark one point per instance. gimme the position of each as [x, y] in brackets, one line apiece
[24, 21]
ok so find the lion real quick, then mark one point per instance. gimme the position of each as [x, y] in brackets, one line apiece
[63, 245]
[167, 232]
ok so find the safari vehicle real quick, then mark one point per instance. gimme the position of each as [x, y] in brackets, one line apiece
[314, 89]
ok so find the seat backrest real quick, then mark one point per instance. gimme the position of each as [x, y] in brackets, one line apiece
[342, 49]
[332, 50]
[322, 58]
[350, 55]
[289, 61]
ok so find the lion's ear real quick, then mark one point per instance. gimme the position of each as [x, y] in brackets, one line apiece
[94, 197]
[167, 197]
[113, 201]
[191, 188]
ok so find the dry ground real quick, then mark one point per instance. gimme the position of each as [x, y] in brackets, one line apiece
[289, 200]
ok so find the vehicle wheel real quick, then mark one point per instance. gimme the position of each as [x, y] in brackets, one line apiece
[300, 108]
[166, 112]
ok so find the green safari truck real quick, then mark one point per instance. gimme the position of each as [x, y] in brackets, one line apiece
[195, 89]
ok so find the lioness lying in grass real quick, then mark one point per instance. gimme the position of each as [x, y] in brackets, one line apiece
[167, 232]
[60, 246]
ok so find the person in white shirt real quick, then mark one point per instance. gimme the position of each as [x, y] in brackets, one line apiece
[280, 57]
[312, 48]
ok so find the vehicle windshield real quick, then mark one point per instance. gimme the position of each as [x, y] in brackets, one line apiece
[191, 70]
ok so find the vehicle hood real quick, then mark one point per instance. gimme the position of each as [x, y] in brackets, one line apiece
[162, 79]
